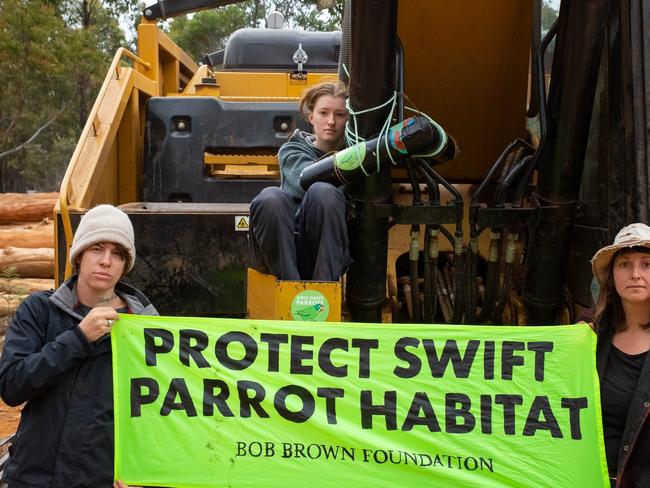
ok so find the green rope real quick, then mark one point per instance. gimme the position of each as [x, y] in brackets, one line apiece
[352, 137]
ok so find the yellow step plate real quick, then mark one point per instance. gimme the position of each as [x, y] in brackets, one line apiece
[310, 301]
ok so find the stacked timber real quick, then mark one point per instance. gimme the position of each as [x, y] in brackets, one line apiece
[26, 247]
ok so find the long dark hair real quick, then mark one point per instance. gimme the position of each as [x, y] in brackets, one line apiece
[609, 308]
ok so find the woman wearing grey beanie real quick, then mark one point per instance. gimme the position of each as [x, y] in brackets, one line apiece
[57, 361]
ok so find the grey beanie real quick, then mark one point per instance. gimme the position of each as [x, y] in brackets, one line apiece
[104, 223]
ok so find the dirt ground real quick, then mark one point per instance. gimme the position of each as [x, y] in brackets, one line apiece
[9, 417]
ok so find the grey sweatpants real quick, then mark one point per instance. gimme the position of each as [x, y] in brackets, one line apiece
[305, 239]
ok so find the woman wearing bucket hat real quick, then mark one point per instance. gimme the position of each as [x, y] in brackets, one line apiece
[622, 321]
[57, 361]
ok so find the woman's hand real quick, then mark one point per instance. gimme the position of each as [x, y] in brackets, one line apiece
[120, 484]
[98, 322]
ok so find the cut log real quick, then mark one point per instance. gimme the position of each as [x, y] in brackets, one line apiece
[26, 207]
[38, 234]
[9, 303]
[33, 269]
[13, 255]
[24, 286]
[29, 263]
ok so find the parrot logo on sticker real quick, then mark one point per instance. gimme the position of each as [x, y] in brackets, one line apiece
[310, 306]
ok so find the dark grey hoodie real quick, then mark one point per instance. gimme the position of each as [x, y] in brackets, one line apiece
[294, 156]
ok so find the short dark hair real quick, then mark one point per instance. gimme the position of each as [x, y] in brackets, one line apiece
[124, 254]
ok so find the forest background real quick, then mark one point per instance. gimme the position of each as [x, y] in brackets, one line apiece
[54, 55]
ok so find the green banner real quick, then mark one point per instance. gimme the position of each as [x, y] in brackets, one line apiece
[249, 403]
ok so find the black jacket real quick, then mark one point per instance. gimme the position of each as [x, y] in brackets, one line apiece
[65, 435]
[633, 465]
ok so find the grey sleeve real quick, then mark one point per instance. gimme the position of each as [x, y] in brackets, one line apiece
[293, 159]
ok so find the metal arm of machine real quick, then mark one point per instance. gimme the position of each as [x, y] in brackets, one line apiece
[165, 9]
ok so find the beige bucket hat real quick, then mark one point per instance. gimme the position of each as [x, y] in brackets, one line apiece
[629, 236]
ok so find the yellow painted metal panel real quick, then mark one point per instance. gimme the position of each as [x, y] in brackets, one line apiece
[148, 50]
[166, 58]
[466, 65]
[286, 292]
[266, 85]
[272, 299]
[97, 144]
[260, 288]
[246, 165]
[171, 75]
[168, 46]
[144, 84]
[240, 159]
[129, 163]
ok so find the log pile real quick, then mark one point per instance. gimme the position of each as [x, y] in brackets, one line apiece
[26, 247]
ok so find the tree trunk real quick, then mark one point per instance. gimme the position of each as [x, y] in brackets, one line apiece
[33, 269]
[26, 207]
[40, 234]
[28, 263]
[24, 286]
[9, 304]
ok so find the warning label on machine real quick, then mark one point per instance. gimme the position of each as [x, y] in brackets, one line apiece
[241, 223]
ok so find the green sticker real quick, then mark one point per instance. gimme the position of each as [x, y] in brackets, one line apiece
[311, 306]
[351, 157]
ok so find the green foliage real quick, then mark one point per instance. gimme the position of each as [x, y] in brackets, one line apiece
[9, 273]
[32, 46]
[207, 31]
[305, 14]
[549, 14]
[54, 56]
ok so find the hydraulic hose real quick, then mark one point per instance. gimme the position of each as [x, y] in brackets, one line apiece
[399, 63]
[456, 240]
[414, 256]
[536, 39]
[344, 53]
[431, 250]
[429, 302]
[509, 181]
[506, 174]
[492, 276]
[470, 283]
[511, 247]
[543, 117]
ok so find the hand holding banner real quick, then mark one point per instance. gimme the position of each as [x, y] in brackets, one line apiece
[239, 403]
